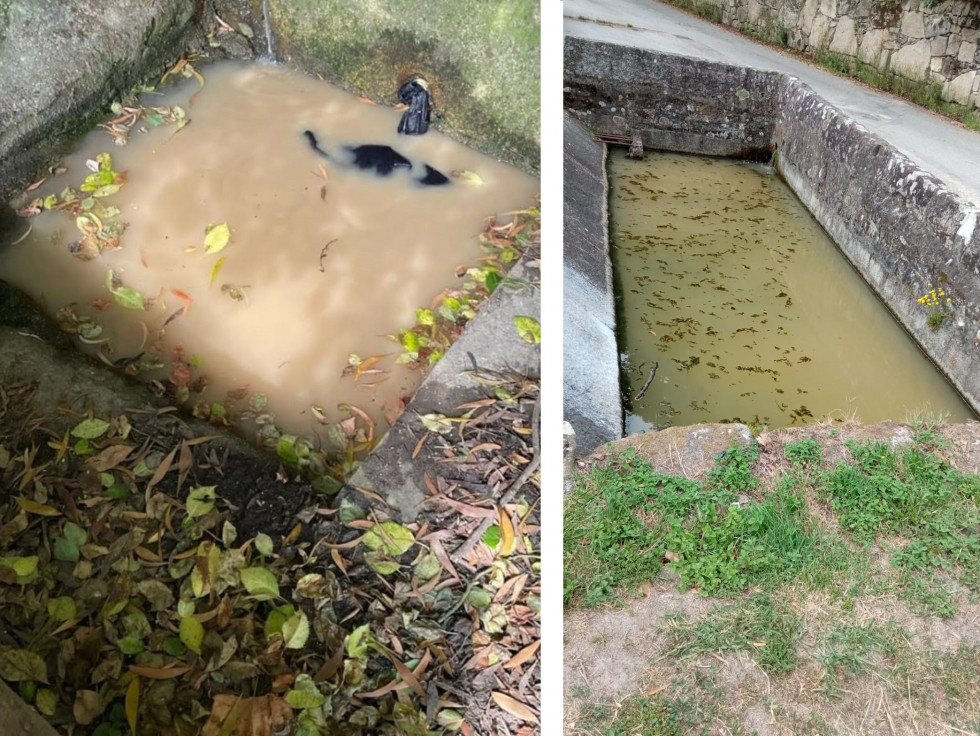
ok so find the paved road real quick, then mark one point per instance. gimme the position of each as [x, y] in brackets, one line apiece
[945, 150]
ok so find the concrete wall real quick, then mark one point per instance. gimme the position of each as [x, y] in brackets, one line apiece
[940, 44]
[898, 225]
[674, 105]
[592, 402]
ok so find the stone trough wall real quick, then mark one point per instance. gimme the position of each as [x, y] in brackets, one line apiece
[897, 224]
[917, 42]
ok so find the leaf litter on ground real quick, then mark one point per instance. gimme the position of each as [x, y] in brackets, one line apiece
[128, 595]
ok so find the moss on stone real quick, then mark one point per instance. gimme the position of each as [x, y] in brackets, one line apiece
[482, 60]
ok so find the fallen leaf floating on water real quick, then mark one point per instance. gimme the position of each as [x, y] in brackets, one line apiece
[216, 237]
[470, 177]
[214, 270]
[124, 295]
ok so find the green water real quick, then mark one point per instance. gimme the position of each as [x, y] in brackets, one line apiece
[750, 313]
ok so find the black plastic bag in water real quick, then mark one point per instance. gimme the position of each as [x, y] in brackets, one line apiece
[415, 94]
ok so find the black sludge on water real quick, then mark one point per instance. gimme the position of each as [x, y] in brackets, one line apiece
[379, 158]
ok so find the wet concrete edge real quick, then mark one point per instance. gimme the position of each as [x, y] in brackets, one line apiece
[592, 401]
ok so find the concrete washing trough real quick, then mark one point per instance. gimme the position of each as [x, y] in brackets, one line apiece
[61, 68]
[900, 226]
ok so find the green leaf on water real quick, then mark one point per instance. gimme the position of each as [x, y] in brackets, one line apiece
[128, 298]
[21, 665]
[390, 537]
[90, 429]
[528, 328]
[214, 270]
[200, 501]
[286, 449]
[191, 633]
[260, 583]
[50, 201]
[216, 237]
[425, 317]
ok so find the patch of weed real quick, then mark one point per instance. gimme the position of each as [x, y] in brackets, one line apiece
[649, 716]
[849, 651]
[733, 471]
[915, 494]
[805, 453]
[624, 519]
[925, 596]
[758, 624]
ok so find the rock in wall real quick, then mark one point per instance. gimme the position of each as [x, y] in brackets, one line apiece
[912, 39]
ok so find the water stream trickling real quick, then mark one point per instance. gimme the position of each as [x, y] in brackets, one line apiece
[747, 309]
[270, 46]
[323, 260]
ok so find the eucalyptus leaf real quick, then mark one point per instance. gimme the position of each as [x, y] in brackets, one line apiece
[296, 631]
[358, 641]
[200, 501]
[263, 543]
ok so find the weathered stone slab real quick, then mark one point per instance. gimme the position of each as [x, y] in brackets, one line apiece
[63, 64]
[912, 61]
[492, 342]
[688, 451]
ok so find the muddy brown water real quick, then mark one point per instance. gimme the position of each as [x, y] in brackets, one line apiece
[296, 317]
[752, 314]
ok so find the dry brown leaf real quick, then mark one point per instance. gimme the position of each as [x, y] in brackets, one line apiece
[109, 458]
[514, 707]
[265, 715]
[522, 656]
[508, 539]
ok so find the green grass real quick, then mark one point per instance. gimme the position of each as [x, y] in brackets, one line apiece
[649, 716]
[757, 624]
[913, 493]
[851, 650]
[624, 520]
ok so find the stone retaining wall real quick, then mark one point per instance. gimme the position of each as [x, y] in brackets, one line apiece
[939, 44]
[898, 225]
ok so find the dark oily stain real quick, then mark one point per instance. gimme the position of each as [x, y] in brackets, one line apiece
[382, 159]
[379, 158]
